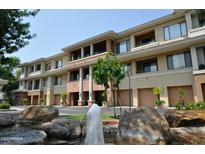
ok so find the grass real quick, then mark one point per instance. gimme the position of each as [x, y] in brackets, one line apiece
[80, 116]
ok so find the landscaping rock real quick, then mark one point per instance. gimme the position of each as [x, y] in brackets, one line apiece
[188, 135]
[39, 113]
[22, 136]
[143, 126]
[7, 120]
[62, 128]
[185, 118]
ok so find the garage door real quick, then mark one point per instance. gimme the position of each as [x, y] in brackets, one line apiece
[57, 99]
[124, 97]
[146, 97]
[173, 94]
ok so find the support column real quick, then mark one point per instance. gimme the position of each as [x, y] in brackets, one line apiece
[82, 52]
[80, 101]
[91, 49]
[33, 84]
[194, 58]
[164, 96]
[31, 99]
[132, 41]
[90, 101]
[108, 45]
[188, 21]
[49, 92]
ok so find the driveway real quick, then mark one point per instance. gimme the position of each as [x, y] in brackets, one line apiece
[72, 110]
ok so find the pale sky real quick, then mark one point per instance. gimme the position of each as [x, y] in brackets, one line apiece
[56, 29]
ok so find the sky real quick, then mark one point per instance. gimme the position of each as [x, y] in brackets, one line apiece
[56, 29]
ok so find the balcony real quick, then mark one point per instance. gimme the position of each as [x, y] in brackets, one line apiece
[145, 41]
[197, 32]
[86, 61]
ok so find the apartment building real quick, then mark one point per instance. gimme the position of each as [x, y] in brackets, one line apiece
[167, 52]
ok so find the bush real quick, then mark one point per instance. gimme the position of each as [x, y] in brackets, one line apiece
[179, 106]
[195, 106]
[159, 102]
[25, 101]
[5, 105]
[42, 102]
[191, 106]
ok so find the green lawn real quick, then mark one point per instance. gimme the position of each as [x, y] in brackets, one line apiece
[80, 116]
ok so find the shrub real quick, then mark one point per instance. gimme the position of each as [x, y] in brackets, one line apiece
[157, 91]
[25, 101]
[42, 102]
[159, 102]
[191, 106]
[179, 106]
[63, 98]
[5, 105]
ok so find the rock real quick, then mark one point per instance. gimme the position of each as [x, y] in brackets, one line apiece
[185, 118]
[7, 120]
[143, 126]
[22, 136]
[188, 135]
[39, 113]
[62, 128]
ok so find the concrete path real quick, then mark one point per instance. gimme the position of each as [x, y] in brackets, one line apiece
[72, 110]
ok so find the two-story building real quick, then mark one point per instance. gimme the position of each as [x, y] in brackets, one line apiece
[167, 52]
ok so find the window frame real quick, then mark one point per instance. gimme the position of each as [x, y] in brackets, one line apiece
[180, 28]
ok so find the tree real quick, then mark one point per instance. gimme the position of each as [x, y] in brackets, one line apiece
[12, 74]
[201, 15]
[14, 35]
[109, 72]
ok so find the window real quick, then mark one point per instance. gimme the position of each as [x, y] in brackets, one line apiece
[76, 54]
[22, 70]
[175, 31]
[87, 51]
[128, 69]
[45, 82]
[59, 63]
[145, 66]
[58, 80]
[86, 74]
[179, 60]
[74, 76]
[99, 47]
[31, 69]
[38, 67]
[123, 46]
[36, 84]
[30, 85]
[145, 39]
[48, 66]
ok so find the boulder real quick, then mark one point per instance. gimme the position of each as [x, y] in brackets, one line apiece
[39, 113]
[22, 136]
[7, 120]
[185, 118]
[188, 135]
[143, 126]
[62, 128]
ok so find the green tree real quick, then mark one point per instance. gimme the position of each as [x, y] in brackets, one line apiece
[201, 16]
[109, 72]
[10, 73]
[14, 35]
